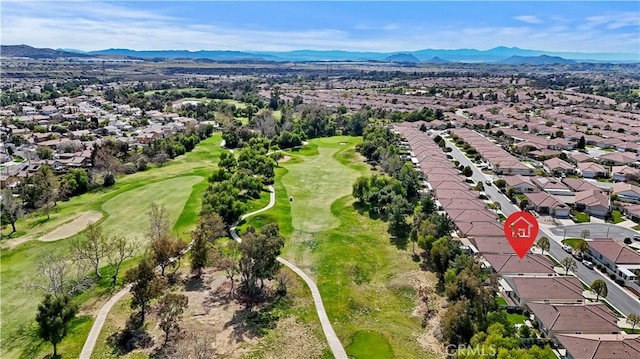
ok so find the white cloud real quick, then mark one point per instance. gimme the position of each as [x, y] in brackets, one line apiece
[94, 26]
[529, 19]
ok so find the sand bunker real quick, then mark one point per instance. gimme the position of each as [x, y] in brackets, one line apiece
[69, 229]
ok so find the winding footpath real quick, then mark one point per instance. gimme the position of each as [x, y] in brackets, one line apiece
[334, 343]
[332, 339]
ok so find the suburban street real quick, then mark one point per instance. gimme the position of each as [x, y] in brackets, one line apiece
[620, 298]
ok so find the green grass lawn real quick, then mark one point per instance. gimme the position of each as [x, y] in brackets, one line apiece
[369, 344]
[604, 180]
[500, 301]
[572, 242]
[515, 318]
[125, 206]
[362, 277]
[617, 217]
[637, 228]
[128, 211]
[581, 217]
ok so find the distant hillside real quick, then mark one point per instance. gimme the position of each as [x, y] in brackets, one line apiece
[185, 54]
[535, 60]
[402, 58]
[437, 60]
[498, 55]
[35, 53]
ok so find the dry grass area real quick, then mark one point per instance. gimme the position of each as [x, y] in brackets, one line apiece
[420, 279]
[227, 328]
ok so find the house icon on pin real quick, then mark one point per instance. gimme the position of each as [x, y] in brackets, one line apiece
[521, 228]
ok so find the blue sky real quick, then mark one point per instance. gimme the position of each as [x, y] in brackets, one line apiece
[359, 26]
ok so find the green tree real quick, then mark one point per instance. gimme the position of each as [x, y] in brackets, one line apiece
[11, 208]
[467, 171]
[582, 246]
[210, 227]
[53, 318]
[48, 188]
[544, 244]
[457, 323]
[600, 288]
[633, 319]
[165, 251]
[145, 286]
[581, 143]
[443, 251]
[569, 264]
[171, 308]
[258, 261]
[227, 161]
[44, 153]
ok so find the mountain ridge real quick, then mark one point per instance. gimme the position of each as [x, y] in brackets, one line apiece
[494, 55]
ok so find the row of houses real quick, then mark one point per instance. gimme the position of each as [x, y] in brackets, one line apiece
[531, 283]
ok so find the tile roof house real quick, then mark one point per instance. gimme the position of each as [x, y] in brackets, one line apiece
[520, 184]
[511, 264]
[626, 191]
[486, 244]
[600, 346]
[617, 158]
[618, 258]
[578, 184]
[544, 203]
[633, 212]
[522, 290]
[592, 170]
[624, 173]
[556, 165]
[581, 157]
[584, 318]
[551, 186]
[593, 202]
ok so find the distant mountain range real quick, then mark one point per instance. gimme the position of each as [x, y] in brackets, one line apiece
[499, 55]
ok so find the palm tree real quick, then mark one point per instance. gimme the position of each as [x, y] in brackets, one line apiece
[544, 244]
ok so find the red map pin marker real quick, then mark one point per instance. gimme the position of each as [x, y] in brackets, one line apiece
[521, 229]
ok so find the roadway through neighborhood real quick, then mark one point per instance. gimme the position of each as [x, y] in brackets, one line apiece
[620, 298]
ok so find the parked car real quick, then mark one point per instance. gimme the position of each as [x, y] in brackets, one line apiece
[566, 248]
[487, 182]
[636, 238]
[577, 255]
[587, 264]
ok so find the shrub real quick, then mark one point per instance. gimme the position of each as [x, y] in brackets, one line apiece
[109, 180]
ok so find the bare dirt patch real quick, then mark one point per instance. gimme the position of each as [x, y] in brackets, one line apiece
[284, 159]
[342, 143]
[76, 225]
[420, 279]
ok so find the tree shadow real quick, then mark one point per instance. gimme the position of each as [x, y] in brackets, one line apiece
[400, 242]
[195, 284]
[363, 208]
[25, 338]
[252, 321]
[133, 336]
[220, 296]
